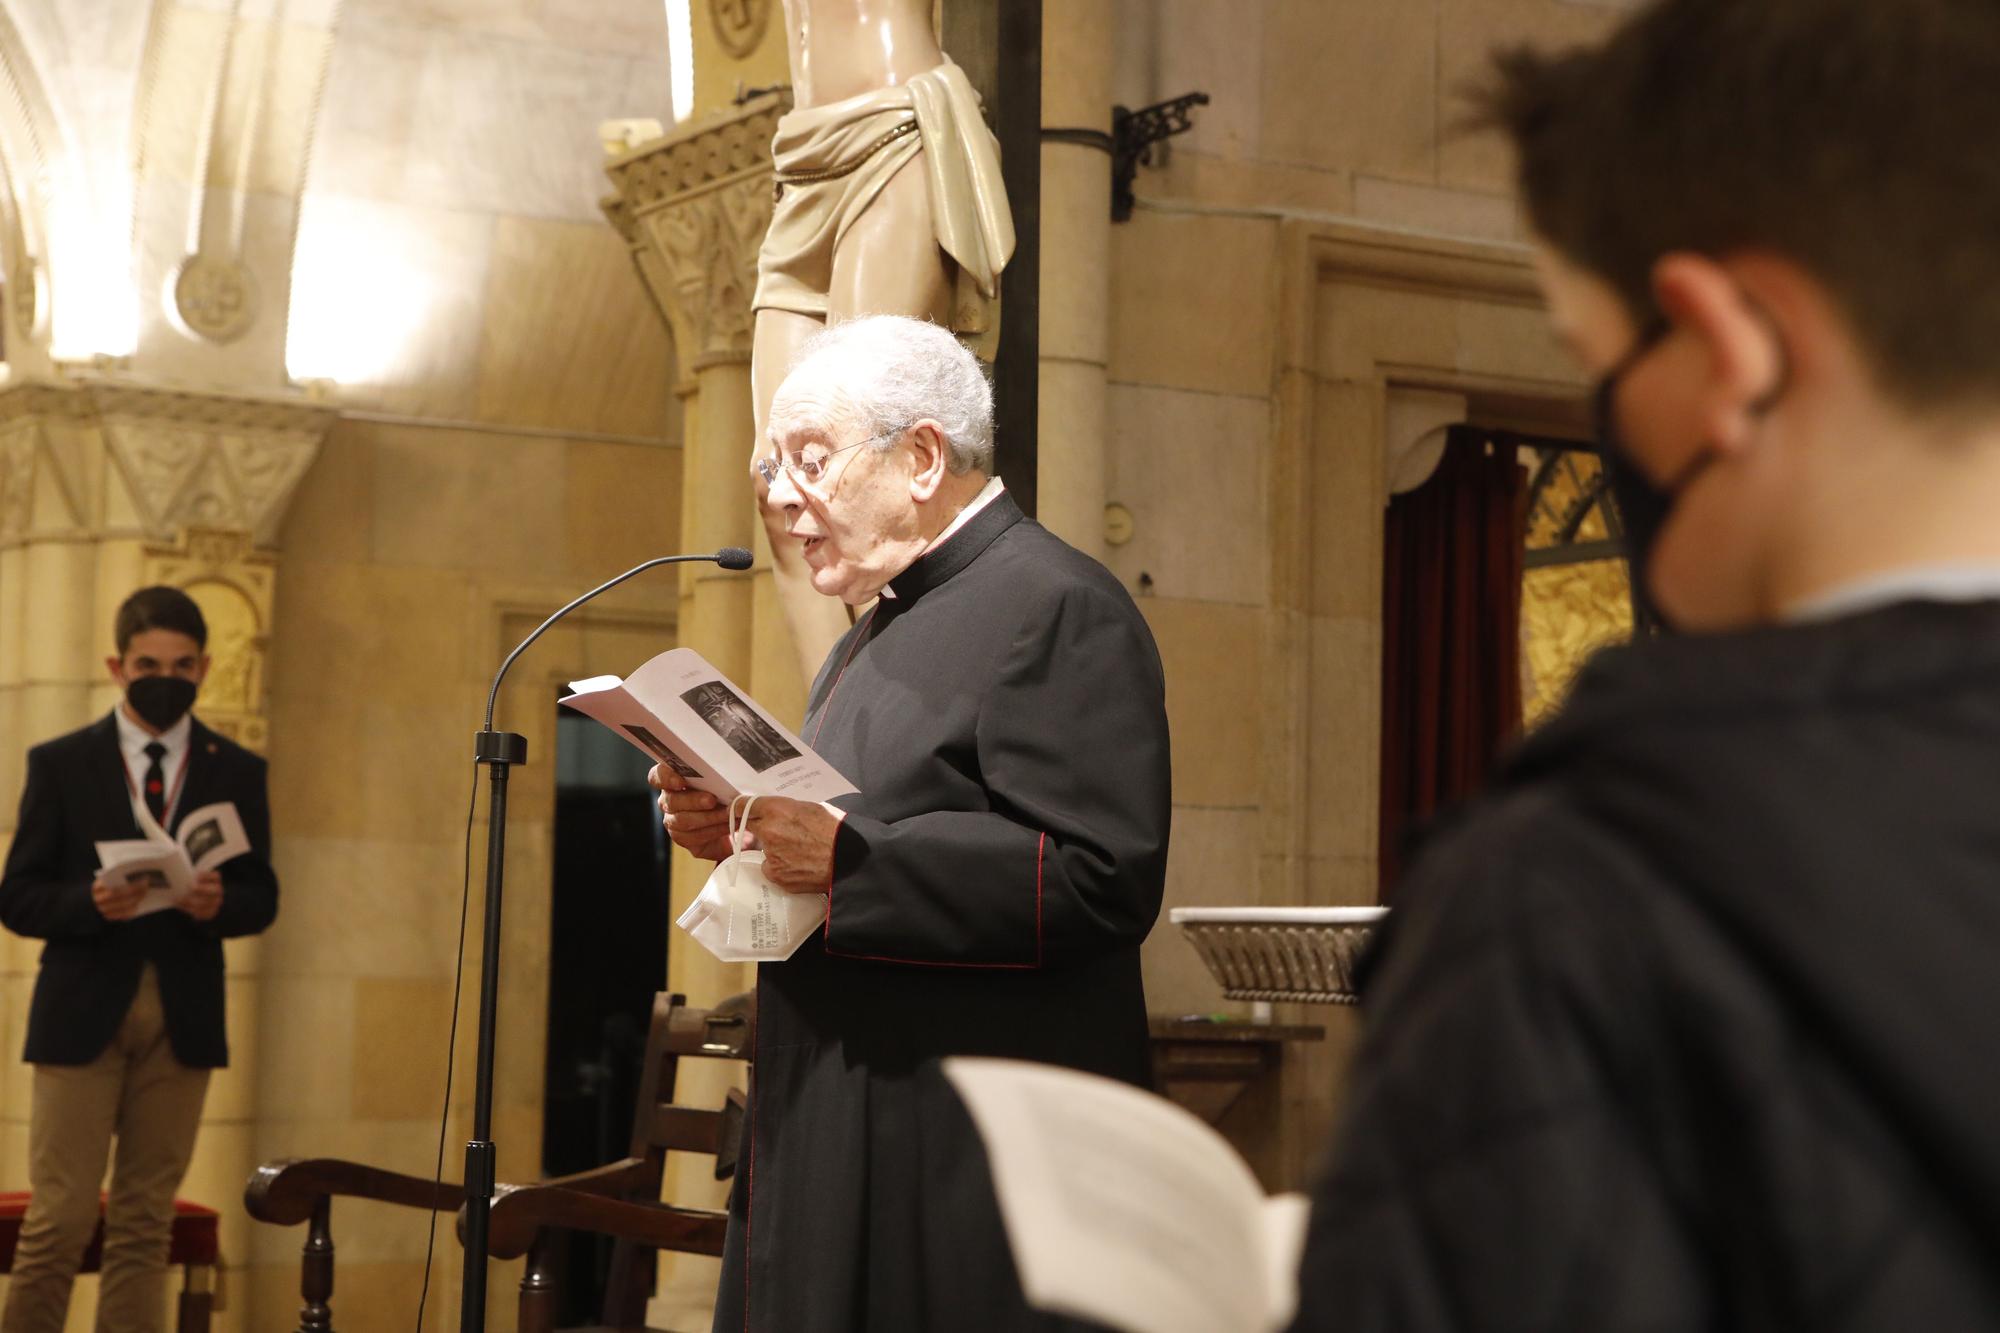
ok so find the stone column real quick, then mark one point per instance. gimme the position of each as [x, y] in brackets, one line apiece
[1076, 273]
[694, 206]
[105, 487]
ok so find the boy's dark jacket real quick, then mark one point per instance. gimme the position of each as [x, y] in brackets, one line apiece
[1694, 1021]
[75, 796]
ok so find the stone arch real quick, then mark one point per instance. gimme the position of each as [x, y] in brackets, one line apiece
[225, 113]
[33, 153]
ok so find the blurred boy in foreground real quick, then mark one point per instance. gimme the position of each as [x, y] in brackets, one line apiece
[1690, 1022]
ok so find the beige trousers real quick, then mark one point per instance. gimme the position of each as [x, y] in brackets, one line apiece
[138, 1093]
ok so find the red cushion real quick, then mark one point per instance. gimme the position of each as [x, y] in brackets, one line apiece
[194, 1234]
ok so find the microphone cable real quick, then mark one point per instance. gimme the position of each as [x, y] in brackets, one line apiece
[451, 1045]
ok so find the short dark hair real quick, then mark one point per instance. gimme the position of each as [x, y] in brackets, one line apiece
[1854, 137]
[159, 607]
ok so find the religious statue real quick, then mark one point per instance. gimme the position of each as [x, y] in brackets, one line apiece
[852, 232]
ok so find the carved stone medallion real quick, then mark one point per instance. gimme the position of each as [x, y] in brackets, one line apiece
[31, 297]
[215, 298]
[739, 24]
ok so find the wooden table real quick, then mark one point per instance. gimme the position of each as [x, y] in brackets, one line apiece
[1205, 1065]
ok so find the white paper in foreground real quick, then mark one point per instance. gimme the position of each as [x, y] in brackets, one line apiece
[167, 867]
[1125, 1209]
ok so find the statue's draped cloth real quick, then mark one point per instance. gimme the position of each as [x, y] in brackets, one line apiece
[833, 160]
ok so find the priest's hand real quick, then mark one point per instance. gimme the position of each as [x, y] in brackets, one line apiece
[797, 838]
[695, 820]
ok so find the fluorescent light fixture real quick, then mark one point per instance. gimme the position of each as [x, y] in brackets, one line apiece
[680, 56]
[94, 308]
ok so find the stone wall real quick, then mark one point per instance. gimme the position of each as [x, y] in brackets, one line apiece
[1252, 469]
[510, 435]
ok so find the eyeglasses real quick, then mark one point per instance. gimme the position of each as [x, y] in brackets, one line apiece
[805, 471]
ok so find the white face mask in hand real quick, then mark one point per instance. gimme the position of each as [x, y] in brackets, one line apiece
[741, 917]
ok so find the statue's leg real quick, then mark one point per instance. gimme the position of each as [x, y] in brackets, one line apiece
[889, 262]
[816, 621]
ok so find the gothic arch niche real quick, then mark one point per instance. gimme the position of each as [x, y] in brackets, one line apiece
[235, 679]
[232, 583]
[31, 155]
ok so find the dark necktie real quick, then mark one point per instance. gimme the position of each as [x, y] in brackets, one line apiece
[156, 782]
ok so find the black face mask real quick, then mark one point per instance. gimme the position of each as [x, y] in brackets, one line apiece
[160, 701]
[1642, 506]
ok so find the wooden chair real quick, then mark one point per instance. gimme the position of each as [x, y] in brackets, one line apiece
[192, 1247]
[621, 1199]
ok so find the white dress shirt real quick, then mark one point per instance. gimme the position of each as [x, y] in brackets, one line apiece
[1932, 583]
[132, 742]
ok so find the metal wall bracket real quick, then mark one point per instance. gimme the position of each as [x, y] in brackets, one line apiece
[1130, 143]
[1134, 134]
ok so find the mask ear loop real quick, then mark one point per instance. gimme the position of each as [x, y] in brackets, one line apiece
[744, 826]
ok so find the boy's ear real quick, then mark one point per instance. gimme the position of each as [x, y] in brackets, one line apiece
[1746, 360]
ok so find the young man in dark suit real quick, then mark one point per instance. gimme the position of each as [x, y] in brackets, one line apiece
[127, 1016]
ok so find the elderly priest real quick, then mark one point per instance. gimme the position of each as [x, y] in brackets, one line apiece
[1001, 708]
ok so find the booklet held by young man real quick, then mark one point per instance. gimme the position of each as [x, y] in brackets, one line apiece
[166, 867]
[687, 715]
[1125, 1209]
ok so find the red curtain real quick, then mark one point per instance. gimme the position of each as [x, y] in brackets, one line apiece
[1451, 635]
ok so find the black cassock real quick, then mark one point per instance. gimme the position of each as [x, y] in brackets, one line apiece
[1004, 716]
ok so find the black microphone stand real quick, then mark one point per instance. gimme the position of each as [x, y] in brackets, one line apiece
[500, 751]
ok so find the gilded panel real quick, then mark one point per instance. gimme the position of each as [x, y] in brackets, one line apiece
[1569, 609]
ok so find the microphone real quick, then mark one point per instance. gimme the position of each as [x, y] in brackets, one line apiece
[498, 750]
[729, 557]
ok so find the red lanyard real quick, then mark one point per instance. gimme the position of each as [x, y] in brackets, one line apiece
[173, 796]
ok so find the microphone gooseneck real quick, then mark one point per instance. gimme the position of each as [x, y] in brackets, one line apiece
[729, 557]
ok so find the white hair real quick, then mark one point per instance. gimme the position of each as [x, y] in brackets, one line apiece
[892, 372]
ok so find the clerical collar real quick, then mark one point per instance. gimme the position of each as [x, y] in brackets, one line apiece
[1926, 583]
[991, 513]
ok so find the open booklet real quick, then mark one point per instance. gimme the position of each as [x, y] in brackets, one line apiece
[688, 716]
[165, 866]
[1125, 1209]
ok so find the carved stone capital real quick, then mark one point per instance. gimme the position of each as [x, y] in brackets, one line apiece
[694, 205]
[91, 455]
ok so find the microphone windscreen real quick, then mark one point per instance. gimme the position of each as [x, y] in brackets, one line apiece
[733, 557]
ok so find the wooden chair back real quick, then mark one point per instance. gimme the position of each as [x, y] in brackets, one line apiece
[660, 1126]
[620, 1199]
